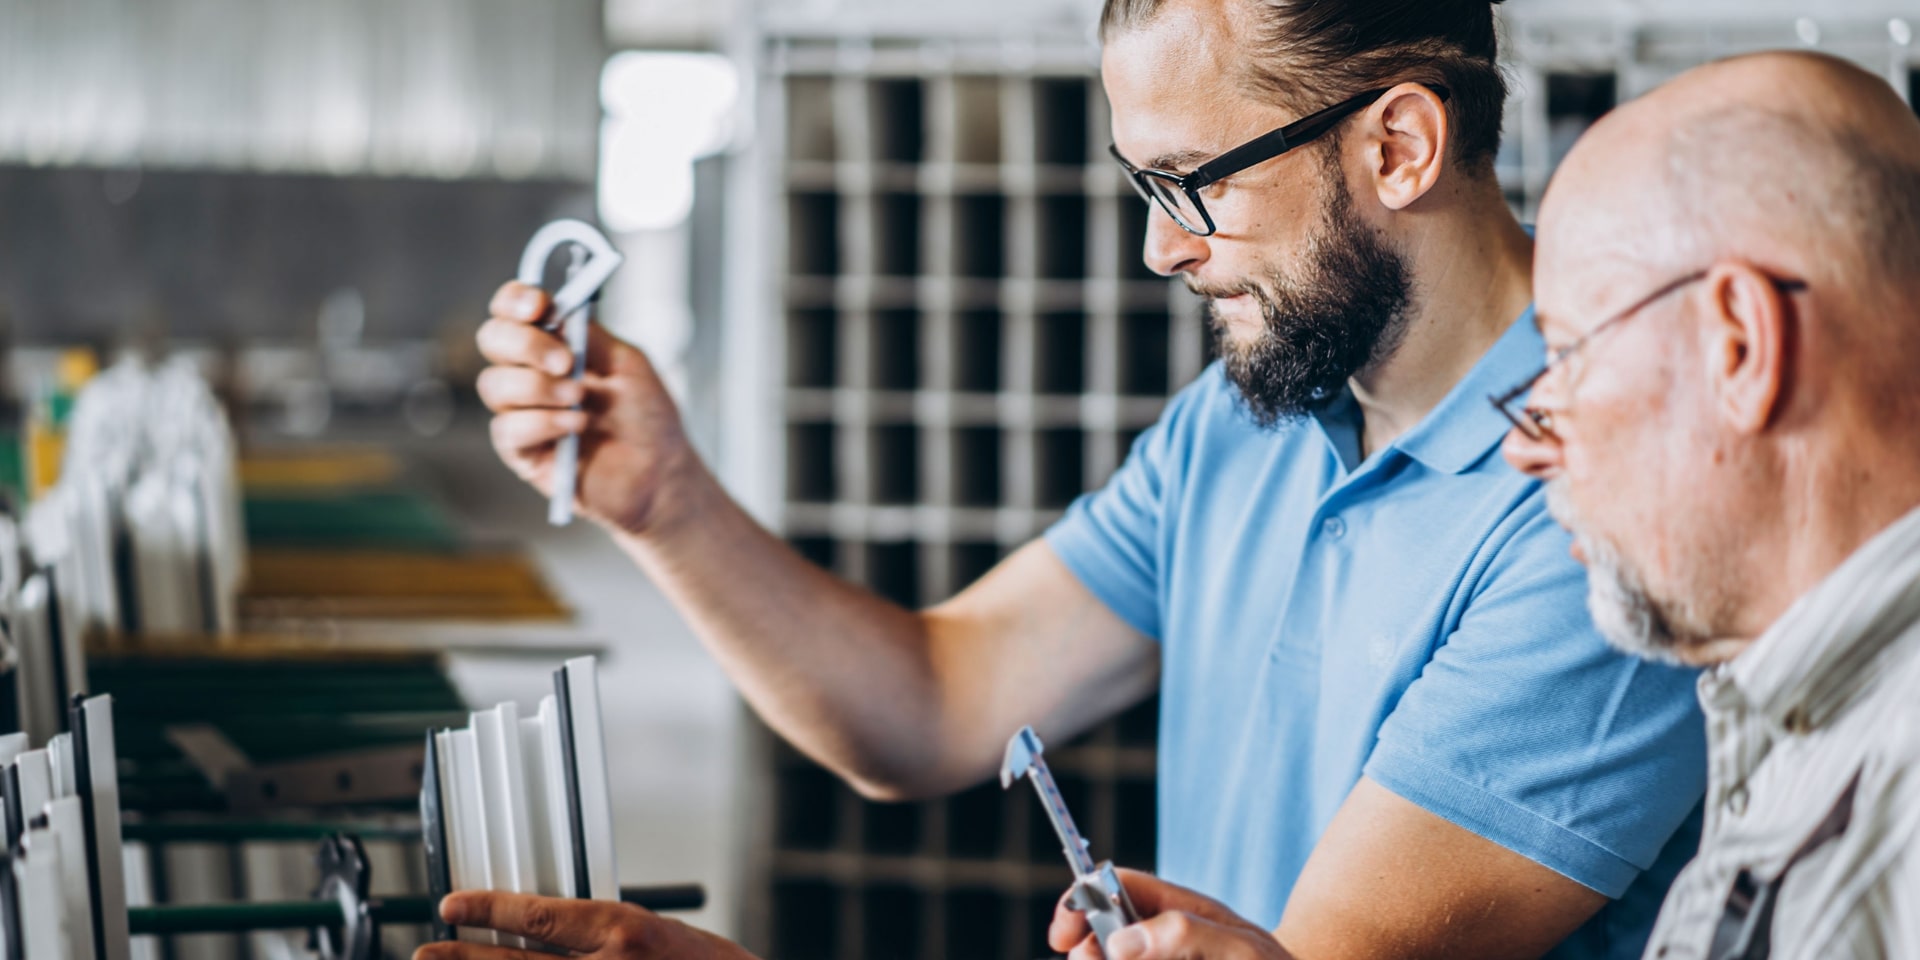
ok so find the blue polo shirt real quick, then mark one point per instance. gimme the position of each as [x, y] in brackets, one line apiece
[1414, 618]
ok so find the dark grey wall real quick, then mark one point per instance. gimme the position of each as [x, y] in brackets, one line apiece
[91, 255]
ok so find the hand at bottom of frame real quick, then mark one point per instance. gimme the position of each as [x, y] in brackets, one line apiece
[1175, 924]
[594, 929]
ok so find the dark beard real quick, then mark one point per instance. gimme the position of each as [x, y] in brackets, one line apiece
[1346, 310]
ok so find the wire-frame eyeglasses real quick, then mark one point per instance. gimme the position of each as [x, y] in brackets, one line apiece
[1536, 423]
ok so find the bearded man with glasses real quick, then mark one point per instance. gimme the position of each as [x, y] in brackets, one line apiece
[1388, 727]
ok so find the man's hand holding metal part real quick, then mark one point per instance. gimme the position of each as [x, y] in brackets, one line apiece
[633, 449]
[1099, 915]
[585, 929]
[1175, 924]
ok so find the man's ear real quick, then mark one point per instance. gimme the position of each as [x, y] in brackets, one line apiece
[1746, 337]
[1407, 135]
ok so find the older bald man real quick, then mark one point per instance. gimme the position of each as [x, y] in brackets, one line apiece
[1728, 276]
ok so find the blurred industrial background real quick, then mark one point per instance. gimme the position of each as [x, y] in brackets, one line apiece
[881, 256]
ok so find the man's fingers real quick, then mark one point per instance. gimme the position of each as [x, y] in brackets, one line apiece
[1069, 926]
[505, 389]
[1153, 896]
[523, 308]
[578, 925]
[1182, 936]
[520, 431]
[518, 302]
[507, 343]
[460, 950]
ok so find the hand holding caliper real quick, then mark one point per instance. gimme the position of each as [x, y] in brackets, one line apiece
[1175, 924]
[1096, 888]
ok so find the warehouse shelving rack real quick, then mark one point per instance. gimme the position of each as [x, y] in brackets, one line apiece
[964, 338]
[969, 341]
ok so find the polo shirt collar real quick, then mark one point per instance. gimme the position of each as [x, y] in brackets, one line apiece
[1464, 427]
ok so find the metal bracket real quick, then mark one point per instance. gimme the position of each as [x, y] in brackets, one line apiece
[594, 261]
[345, 879]
[366, 776]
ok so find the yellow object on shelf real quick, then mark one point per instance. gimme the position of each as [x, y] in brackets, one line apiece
[320, 470]
[46, 445]
[288, 584]
[46, 432]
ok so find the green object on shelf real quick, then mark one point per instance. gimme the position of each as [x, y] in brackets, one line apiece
[273, 707]
[265, 831]
[13, 466]
[401, 520]
[233, 917]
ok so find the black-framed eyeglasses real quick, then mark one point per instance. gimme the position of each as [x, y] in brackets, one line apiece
[1536, 423]
[1179, 194]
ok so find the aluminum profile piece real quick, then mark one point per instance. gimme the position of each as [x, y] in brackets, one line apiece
[62, 883]
[520, 803]
[142, 535]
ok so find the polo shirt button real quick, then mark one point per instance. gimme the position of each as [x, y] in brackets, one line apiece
[1737, 800]
[1334, 527]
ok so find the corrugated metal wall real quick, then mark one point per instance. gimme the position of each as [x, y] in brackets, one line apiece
[434, 88]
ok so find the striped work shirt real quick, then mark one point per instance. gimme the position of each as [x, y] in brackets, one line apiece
[1813, 784]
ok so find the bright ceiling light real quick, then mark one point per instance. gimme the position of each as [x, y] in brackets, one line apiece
[663, 112]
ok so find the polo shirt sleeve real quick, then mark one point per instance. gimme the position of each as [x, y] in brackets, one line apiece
[1527, 729]
[1111, 538]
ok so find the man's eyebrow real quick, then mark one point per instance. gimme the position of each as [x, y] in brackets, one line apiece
[1180, 160]
[1541, 321]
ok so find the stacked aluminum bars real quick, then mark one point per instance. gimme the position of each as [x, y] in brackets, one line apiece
[520, 803]
[62, 884]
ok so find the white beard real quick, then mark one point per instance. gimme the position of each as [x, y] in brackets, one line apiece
[1623, 610]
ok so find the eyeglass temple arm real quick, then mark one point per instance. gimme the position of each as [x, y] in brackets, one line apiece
[1277, 142]
[1270, 144]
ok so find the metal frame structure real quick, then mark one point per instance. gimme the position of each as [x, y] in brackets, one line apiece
[964, 340]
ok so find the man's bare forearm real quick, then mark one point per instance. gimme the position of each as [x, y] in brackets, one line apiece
[840, 672]
[900, 703]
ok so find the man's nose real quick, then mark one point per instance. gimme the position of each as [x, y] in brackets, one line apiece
[1169, 249]
[1537, 457]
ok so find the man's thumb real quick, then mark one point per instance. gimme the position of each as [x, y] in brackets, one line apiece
[1129, 943]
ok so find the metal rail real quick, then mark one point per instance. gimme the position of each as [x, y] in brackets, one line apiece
[308, 914]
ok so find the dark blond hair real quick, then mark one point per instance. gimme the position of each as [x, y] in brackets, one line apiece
[1311, 53]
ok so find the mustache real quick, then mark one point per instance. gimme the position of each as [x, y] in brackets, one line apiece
[1222, 291]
